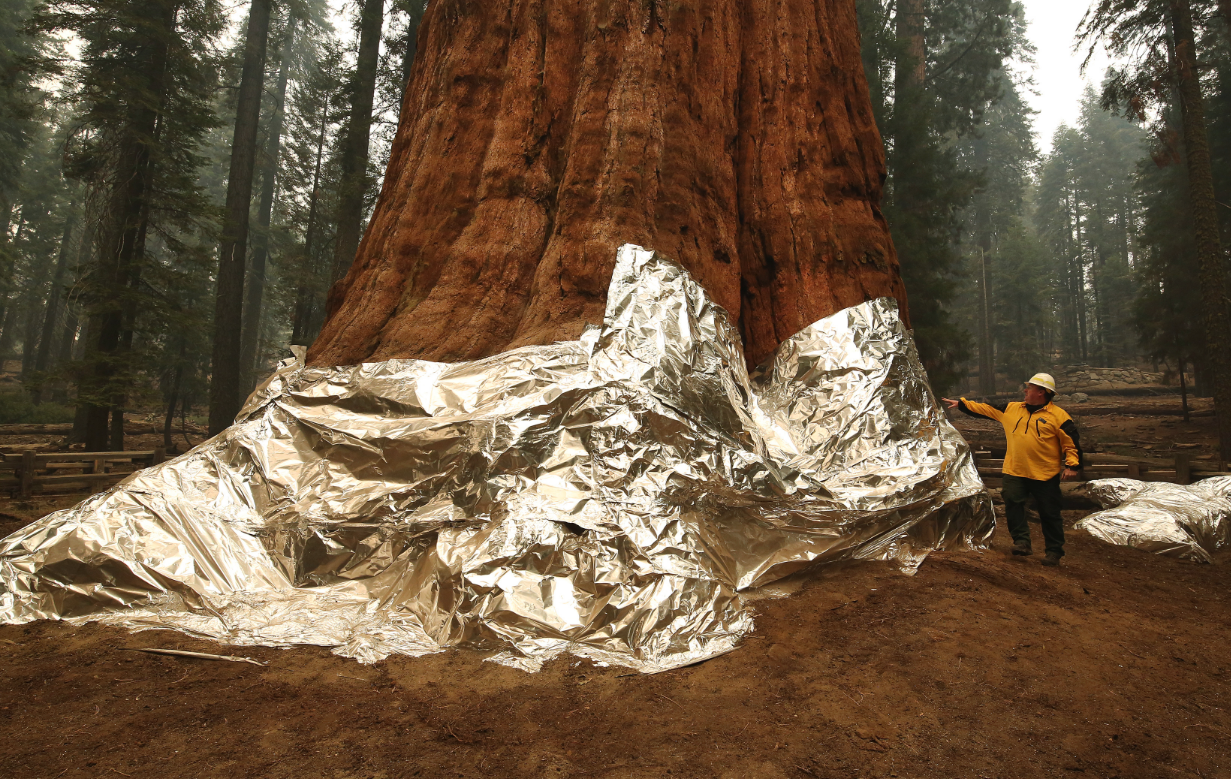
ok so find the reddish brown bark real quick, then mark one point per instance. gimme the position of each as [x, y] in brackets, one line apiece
[735, 136]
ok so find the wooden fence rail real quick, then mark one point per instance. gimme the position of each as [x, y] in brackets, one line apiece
[32, 470]
[1181, 469]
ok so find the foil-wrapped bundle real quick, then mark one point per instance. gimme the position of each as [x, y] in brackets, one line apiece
[1187, 521]
[611, 497]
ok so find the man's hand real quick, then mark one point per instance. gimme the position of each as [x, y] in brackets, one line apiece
[1070, 474]
[950, 403]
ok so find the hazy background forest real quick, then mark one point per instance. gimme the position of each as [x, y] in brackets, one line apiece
[181, 181]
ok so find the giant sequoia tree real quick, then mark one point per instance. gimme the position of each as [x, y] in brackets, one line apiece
[735, 136]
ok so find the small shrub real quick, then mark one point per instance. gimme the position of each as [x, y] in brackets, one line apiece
[17, 408]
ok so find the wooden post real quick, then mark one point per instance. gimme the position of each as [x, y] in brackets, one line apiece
[27, 473]
[1134, 471]
[160, 454]
[1183, 469]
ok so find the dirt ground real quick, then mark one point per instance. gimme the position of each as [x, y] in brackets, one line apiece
[980, 665]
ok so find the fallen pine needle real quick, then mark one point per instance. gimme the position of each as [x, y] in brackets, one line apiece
[201, 655]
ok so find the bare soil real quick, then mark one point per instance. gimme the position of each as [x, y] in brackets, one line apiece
[981, 665]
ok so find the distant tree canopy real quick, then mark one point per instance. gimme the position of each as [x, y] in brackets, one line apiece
[112, 184]
[1018, 260]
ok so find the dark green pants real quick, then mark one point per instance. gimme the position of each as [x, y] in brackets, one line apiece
[1016, 491]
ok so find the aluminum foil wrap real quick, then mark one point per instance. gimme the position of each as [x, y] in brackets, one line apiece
[610, 497]
[1187, 521]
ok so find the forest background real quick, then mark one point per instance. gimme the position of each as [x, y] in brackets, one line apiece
[181, 182]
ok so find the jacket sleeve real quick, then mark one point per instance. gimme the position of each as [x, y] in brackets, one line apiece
[994, 412]
[1070, 444]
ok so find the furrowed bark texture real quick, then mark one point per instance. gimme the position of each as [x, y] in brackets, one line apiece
[735, 136]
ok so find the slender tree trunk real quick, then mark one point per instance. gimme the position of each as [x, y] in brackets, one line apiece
[306, 296]
[34, 321]
[6, 269]
[64, 349]
[177, 380]
[1068, 334]
[119, 400]
[912, 62]
[1183, 390]
[260, 239]
[735, 136]
[1098, 273]
[8, 325]
[71, 341]
[987, 365]
[52, 315]
[1080, 278]
[1216, 320]
[224, 394]
[354, 162]
[81, 421]
[11, 304]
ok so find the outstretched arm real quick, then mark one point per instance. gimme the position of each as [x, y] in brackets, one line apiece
[970, 408]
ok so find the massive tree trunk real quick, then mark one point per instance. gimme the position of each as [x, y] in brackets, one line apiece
[539, 135]
[1212, 263]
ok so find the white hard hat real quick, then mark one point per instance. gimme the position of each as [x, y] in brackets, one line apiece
[1043, 380]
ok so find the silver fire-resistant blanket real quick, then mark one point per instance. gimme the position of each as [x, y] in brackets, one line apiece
[1188, 521]
[610, 496]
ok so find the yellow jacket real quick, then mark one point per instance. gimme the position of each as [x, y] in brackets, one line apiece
[1040, 442]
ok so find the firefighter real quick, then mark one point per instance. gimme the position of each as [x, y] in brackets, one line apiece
[1043, 447]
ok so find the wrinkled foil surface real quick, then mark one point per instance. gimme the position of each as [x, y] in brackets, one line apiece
[611, 497]
[1187, 521]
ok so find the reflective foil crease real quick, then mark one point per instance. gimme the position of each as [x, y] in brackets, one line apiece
[1187, 521]
[609, 497]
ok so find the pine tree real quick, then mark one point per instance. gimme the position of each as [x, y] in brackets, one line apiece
[1006, 303]
[934, 69]
[143, 93]
[1159, 40]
